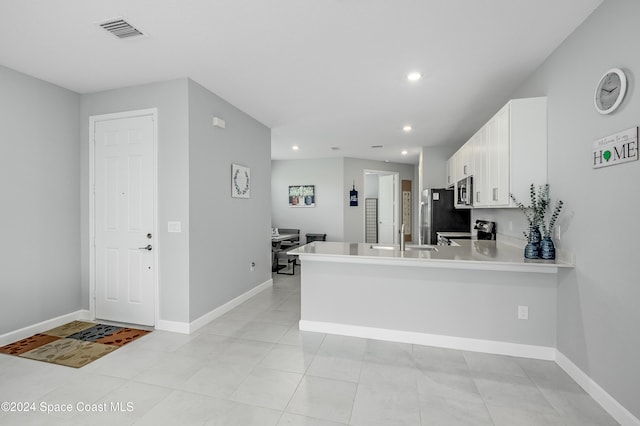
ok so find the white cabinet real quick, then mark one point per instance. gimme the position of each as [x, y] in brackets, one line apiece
[498, 162]
[456, 166]
[480, 169]
[460, 164]
[517, 150]
[454, 173]
[506, 155]
[449, 168]
[466, 161]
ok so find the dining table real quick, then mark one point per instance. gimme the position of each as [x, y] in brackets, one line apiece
[276, 242]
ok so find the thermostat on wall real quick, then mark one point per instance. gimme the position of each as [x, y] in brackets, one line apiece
[218, 122]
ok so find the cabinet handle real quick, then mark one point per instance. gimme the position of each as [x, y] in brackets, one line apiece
[464, 170]
[495, 194]
[478, 196]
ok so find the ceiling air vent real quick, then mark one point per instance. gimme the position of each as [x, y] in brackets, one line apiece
[121, 28]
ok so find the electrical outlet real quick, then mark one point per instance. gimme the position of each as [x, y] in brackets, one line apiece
[523, 312]
[252, 266]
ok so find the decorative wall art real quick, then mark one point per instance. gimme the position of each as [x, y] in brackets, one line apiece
[302, 196]
[619, 148]
[240, 181]
[353, 196]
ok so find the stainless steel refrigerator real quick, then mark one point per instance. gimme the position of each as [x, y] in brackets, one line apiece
[438, 214]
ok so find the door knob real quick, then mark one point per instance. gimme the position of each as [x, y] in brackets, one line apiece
[148, 247]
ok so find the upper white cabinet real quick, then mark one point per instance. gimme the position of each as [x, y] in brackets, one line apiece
[449, 173]
[507, 154]
[460, 165]
[480, 167]
[499, 165]
[518, 150]
[465, 167]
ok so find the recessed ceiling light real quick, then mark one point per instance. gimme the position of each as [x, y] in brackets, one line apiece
[405, 152]
[295, 147]
[407, 128]
[414, 76]
[386, 161]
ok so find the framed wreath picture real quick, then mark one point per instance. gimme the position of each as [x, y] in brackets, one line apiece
[240, 181]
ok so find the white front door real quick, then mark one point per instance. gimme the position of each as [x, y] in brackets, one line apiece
[386, 209]
[124, 174]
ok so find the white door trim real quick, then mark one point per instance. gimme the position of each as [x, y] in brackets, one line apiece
[396, 195]
[153, 112]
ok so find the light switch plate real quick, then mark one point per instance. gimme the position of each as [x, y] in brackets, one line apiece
[523, 312]
[174, 226]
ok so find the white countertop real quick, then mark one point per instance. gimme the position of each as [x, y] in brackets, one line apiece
[469, 254]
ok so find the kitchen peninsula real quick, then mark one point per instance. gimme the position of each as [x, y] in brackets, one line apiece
[468, 296]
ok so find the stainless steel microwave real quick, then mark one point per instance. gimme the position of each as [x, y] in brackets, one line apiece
[464, 191]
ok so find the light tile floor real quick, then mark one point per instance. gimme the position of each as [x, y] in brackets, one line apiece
[253, 367]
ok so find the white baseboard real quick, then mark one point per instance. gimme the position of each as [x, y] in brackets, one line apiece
[461, 343]
[29, 331]
[164, 325]
[221, 310]
[188, 328]
[613, 407]
[172, 326]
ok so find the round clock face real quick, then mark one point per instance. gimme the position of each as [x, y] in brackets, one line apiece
[610, 91]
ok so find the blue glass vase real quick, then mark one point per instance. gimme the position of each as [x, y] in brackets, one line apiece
[532, 249]
[547, 249]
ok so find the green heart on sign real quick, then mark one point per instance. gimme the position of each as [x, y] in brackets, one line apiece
[607, 155]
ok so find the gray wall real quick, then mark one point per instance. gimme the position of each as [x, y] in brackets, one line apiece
[433, 166]
[207, 264]
[354, 216]
[39, 170]
[444, 302]
[333, 178]
[171, 99]
[226, 233]
[45, 176]
[327, 216]
[598, 315]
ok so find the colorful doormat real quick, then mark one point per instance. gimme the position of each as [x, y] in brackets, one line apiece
[74, 344]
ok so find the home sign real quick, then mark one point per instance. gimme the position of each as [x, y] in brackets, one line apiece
[616, 149]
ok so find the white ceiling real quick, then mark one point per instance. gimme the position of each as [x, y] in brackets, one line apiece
[320, 73]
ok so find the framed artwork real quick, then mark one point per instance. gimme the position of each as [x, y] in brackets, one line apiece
[240, 181]
[302, 196]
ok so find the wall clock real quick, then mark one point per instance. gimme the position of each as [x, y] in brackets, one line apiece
[610, 91]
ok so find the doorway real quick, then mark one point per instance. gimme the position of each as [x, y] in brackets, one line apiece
[384, 187]
[123, 225]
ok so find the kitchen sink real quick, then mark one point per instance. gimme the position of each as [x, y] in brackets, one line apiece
[407, 248]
